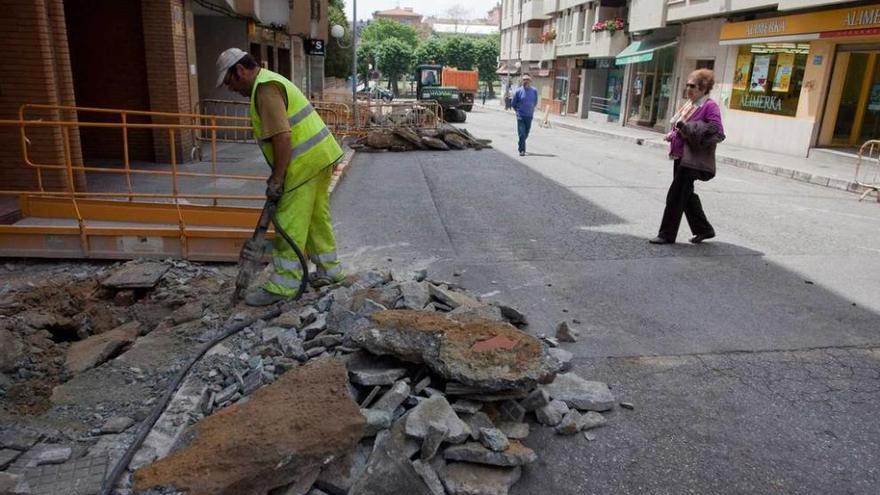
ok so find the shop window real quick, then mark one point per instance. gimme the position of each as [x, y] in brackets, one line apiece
[768, 77]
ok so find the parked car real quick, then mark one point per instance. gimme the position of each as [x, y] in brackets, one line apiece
[381, 93]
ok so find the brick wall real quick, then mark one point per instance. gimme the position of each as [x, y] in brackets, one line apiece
[39, 72]
[167, 72]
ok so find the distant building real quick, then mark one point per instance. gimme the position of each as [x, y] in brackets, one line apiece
[472, 29]
[403, 15]
[494, 15]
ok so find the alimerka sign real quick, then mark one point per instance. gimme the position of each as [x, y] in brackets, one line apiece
[840, 22]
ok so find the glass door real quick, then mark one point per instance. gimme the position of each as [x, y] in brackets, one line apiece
[853, 108]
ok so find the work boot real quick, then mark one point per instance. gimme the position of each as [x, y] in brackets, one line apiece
[262, 297]
[317, 281]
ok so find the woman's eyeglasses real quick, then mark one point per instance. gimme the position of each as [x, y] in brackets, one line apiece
[691, 86]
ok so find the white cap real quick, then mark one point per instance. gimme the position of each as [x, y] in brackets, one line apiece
[525, 77]
[226, 61]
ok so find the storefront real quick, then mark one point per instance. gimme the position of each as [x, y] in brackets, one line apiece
[602, 89]
[651, 62]
[813, 78]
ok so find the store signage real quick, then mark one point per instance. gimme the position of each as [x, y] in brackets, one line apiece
[758, 102]
[315, 47]
[827, 23]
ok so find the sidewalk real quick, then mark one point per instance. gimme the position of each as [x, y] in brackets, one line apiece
[825, 171]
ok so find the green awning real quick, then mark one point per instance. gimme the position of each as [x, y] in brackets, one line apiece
[642, 50]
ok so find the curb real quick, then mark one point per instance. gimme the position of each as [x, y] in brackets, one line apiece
[340, 169]
[788, 173]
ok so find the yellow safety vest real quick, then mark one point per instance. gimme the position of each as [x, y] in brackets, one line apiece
[314, 147]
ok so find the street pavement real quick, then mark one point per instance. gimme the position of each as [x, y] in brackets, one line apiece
[753, 360]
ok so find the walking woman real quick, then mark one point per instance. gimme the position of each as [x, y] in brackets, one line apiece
[696, 129]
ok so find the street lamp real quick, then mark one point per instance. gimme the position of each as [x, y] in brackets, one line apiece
[338, 32]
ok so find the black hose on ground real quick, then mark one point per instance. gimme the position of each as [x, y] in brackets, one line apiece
[147, 426]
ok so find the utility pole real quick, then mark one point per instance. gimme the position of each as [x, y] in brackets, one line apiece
[354, 62]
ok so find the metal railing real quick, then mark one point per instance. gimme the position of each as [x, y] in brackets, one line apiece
[223, 111]
[413, 114]
[868, 168]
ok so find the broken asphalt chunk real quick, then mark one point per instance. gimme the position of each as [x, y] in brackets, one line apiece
[516, 454]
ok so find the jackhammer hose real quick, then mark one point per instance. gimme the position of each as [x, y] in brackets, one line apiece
[147, 426]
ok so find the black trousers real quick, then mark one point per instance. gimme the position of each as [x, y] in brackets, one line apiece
[681, 198]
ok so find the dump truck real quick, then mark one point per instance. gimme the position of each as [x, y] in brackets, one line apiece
[467, 82]
[431, 85]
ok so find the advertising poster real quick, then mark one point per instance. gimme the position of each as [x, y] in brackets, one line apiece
[784, 68]
[759, 74]
[741, 76]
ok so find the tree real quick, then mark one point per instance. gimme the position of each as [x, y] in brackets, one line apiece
[487, 60]
[395, 59]
[460, 52]
[337, 63]
[431, 52]
[366, 51]
[384, 29]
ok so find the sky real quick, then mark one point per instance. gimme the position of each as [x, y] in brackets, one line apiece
[475, 9]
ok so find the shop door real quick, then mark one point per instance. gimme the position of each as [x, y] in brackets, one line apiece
[852, 114]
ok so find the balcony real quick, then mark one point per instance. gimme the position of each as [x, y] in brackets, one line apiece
[607, 44]
[550, 7]
[549, 51]
[533, 10]
[568, 4]
[532, 51]
[576, 48]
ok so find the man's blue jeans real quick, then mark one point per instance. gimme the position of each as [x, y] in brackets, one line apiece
[523, 126]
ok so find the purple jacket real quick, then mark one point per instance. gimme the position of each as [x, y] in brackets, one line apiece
[707, 112]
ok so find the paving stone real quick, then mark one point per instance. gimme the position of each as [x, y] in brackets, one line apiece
[315, 352]
[337, 477]
[136, 276]
[552, 413]
[314, 328]
[477, 422]
[516, 431]
[581, 394]
[76, 477]
[188, 312]
[271, 334]
[436, 409]
[365, 369]
[16, 439]
[289, 319]
[53, 455]
[415, 294]
[514, 316]
[461, 478]
[562, 357]
[393, 398]
[564, 333]
[511, 411]
[466, 406]
[97, 349]
[116, 424]
[516, 454]
[494, 439]
[325, 341]
[429, 476]
[537, 399]
[451, 298]
[376, 421]
[436, 434]
[7, 456]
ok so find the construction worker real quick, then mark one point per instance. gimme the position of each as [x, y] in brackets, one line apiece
[301, 151]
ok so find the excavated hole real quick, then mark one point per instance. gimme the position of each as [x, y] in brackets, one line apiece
[64, 333]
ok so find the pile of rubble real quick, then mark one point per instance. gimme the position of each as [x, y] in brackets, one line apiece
[403, 138]
[384, 385]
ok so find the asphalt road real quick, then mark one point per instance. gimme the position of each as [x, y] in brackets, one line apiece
[753, 360]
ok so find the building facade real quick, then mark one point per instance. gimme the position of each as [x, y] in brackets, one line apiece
[569, 48]
[804, 69]
[404, 15]
[150, 55]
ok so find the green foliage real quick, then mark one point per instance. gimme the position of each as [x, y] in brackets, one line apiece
[337, 62]
[431, 52]
[487, 58]
[460, 52]
[384, 29]
[396, 59]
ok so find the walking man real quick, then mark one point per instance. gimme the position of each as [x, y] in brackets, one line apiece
[301, 151]
[524, 102]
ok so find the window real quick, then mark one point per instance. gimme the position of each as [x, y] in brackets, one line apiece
[768, 77]
[581, 16]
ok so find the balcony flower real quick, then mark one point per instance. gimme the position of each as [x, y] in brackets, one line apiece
[610, 25]
[548, 36]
